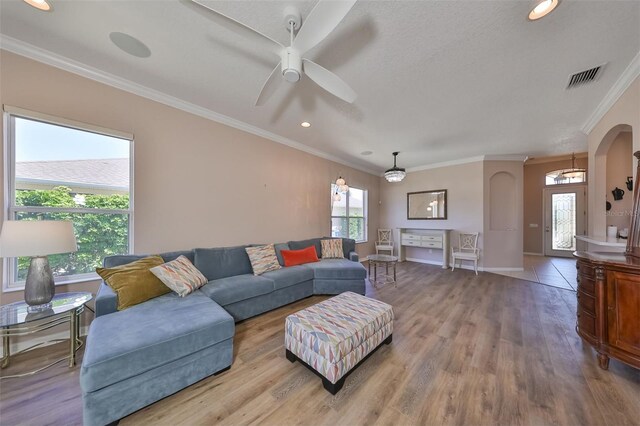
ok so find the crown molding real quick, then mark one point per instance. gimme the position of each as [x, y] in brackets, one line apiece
[520, 158]
[624, 81]
[445, 164]
[554, 158]
[30, 51]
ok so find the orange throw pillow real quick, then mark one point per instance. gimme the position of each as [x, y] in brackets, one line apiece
[299, 257]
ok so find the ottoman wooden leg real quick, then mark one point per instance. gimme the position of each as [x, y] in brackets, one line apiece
[290, 356]
[333, 388]
[388, 340]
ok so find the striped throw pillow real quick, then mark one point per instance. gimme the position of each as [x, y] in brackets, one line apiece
[180, 276]
[263, 259]
[332, 249]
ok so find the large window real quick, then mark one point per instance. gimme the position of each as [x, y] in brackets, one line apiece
[62, 170]
[349, 214]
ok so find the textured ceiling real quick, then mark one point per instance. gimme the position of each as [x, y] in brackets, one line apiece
[437, 81]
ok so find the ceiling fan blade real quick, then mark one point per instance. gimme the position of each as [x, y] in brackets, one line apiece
[270, 86]
[324, 17]
[329, 81]
[262, 41]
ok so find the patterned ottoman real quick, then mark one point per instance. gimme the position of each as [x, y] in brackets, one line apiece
[335, 336]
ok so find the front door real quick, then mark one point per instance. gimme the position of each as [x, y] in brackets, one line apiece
[564, 218]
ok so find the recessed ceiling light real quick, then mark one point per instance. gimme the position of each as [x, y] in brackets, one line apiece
[542, 8]
[130, 45]
[366, 153]
[39, 4]
[305, 124]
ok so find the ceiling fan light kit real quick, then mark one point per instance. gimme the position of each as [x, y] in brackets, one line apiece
[322, 20]
[395, 174]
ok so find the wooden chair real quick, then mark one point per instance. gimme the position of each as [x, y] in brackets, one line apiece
[385, 241]
[466, 250]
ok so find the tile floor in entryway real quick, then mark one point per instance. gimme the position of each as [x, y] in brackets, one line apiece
[554, 271]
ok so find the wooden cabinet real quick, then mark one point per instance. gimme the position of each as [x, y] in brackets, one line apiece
[608, 312]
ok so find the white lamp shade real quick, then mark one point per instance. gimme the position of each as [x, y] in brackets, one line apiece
[36, 238]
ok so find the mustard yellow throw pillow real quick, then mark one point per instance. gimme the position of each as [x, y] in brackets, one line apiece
[134, 282]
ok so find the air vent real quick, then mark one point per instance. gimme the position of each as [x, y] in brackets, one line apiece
[584, 77]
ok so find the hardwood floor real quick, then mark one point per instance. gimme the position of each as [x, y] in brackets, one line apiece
[466, 350]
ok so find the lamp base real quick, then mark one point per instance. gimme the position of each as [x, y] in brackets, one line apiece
[39, 287]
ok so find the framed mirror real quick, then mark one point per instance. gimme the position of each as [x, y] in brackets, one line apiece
[427, 205]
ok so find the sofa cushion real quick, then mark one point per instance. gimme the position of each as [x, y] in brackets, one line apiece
[222, 262]
[340, 269]
[299, 257]
[134, 283]
[180, 276]
[263, 259]
[237, 288]
[286, 277]
[150, 335]
[348, 245]
[299, 245]
[279, 247]
[332, 248]
[123, 259]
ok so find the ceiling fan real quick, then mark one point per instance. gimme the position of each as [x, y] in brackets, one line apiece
[322, 20]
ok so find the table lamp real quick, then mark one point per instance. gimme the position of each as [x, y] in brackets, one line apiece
[37, 239]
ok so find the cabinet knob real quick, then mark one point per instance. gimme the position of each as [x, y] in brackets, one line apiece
[578, 279]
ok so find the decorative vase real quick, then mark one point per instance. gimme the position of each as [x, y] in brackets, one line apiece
[39, 287]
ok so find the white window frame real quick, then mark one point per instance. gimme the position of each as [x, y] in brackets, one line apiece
[10, 209]
[365, 204]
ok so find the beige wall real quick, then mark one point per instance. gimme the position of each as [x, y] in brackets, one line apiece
[534, 183]
[619, 166]
[503, 205]
[625, 111]
[464, 197]
[198, 183]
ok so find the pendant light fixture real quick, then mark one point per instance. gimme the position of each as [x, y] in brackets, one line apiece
[395, 174]
[341, 187]
[574, 172]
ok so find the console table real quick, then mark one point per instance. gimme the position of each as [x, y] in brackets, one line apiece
[424, 238]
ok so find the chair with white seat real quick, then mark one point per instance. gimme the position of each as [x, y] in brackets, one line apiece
[466, 250]
[385, 241]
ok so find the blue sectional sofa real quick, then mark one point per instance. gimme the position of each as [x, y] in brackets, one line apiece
[142, 354]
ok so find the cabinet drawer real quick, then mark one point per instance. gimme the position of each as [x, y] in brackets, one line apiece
[586, 269]
[411, 237]
[586, 323]
[586, 284]
[432, 244]
[411, 243]
[586, 302]
[432, 238]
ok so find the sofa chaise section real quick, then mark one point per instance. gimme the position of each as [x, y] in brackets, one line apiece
[152, 350]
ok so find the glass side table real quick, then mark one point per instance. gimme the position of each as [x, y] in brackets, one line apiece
[17, 320]
[383, 260]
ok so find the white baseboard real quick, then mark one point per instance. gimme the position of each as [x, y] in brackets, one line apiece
[503, 269]
[428, 262]
[533, 254]
[438, 263]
